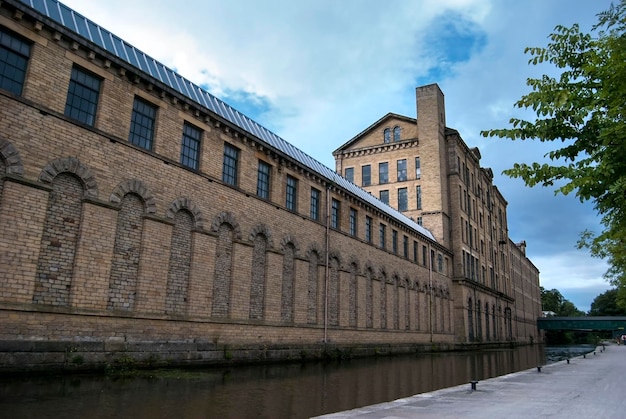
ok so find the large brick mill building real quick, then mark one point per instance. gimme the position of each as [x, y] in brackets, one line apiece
[142, 216]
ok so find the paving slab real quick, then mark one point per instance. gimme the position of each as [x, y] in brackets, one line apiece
[590, 386]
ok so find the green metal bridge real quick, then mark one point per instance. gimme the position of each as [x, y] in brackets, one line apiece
[582, 323]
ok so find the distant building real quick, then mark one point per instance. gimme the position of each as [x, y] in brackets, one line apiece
[141, 216]
[425, 170]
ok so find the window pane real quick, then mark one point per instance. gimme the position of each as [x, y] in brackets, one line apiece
[315, 204]
[366, 175]
[394, 241]
[418, 191]
[396, 134]
[334, 218]
[368, 229]
[403, 201]
[291, 193]
[231, 162]
[82, 97]
[353, 220]
[402, 170]
[383, 173]
[387, 135]
[349, 174]
[263, 180]
[14, 55]
[384, 196]
[418, 169]
[190, 147]
[142, 124]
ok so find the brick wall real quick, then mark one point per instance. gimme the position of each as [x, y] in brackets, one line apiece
[108, 244]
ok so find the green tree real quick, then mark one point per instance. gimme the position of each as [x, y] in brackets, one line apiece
[553, 300]
[605, 304]
[583, 109]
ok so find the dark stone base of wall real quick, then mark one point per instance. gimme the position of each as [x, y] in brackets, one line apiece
[44, 357]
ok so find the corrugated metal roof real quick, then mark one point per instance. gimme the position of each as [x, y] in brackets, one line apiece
[121, 49]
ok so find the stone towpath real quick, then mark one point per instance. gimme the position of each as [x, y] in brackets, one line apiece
[593, 386]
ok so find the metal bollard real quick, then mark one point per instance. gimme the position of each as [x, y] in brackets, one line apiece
[585, 356]
[538, 368]
[594, 352]
[568, 360]
[473, 383]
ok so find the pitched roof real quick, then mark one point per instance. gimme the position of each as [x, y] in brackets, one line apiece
[369, 129]
[94, 33]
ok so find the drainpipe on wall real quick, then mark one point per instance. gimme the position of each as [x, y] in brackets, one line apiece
[430, 286]
[327, 269]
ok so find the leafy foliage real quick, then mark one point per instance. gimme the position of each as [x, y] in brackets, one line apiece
[553, 300]
[605, 304]
[584, 109]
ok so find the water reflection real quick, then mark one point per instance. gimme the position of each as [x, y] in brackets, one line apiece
[269, 391]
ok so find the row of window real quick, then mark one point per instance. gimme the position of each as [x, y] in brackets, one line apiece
[387, 134]
[82, 104]
[383, 172]
[403, 198]
[82, 100]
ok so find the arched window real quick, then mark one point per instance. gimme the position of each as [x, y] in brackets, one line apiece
[61, 232]
[396, 134]
[369, 298]
[313, 288]
[180, 263]
[470, 320]
[387, 135]
[287, 305]
[223, 271]
[257, 287]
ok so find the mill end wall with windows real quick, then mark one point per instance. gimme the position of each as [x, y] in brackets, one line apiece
[431, 175]
[138, 221]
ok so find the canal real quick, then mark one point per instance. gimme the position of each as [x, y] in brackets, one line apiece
[260, 391]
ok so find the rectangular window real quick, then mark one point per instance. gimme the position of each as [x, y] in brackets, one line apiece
[402, 176]
[418, 192]
[366, 175]
[403, 199]
[394, 241]
[142, 124]
[439, 262]
[418, 169]
[405, 246]
[14, 54]
[349, 174]
[82, 96]
[432, 259]
[263, 180]
[414, 251]
[424, 253]
[368, 229]
[353, 220]
[383, 173]
[315, 204]
[291, 193]
[230, 167]
[383, 233]
[384, 196]
[334, 214]
[420, 221]
[190, 147]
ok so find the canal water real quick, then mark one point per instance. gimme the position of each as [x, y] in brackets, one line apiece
[261, 391]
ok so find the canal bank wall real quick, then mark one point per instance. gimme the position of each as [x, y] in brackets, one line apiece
[68, 343]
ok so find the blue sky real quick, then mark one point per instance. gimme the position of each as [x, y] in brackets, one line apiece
[319, 72]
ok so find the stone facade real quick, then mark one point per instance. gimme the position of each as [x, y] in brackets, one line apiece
[431, 175]
[114, 248]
